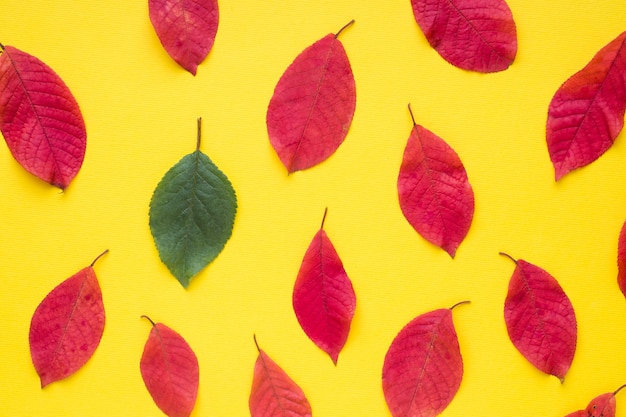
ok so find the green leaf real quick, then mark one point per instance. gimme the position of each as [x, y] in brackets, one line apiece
[192, 212]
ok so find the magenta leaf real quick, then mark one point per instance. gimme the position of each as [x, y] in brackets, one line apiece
[323, 297]
[40, 119]
[475, 35]
[540, 319]
[423, 367]
[169, 369]
[601, 406]
[67, 326]
[313, 104]
[621, 260]
[435, 195]
[587, 112]
[186, 29]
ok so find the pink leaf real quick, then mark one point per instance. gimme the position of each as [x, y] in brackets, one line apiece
[587, 112]
[601, 406]
[423, 367]
[323, 297]
[621, 260]
[186, 29]
[476, 35]
[313, 104]
[170, 371]
[273, 393]
[435, 195]
[40, 119]
[67, 326]
[540, 319]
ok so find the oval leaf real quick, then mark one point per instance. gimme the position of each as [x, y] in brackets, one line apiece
[186, 29]
[435, 195]
[621, 260]
[313, 104]
[587, 112]
[169, 369]
[40, 119]
[273, 393]
[67, 326]
[540, 319]
[602, 406]
[476, 35]
[323, 297]
[192, 213]
[423, 367]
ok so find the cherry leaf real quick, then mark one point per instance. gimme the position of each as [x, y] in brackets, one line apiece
[540, 319]
[192, 213]
[169, 369]
[40, 118]
[186, 29]
[587, 112]
[621, 260]
[274, 393]
[323, 297]
[309, 115]
[435, 195]
[602, 406]
[475, 35]
[67, 326]
[423, 367]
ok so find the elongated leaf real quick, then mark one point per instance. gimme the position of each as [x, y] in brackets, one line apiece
[313, 104]
[435, 195]
[423, 367]
[602, 406]
[621, 260]
[274, 393]
[540, 319]
[192, 213]
[587, 112]
[323, 297]
[186, 29]
[40, 119]
[169, 369]
[67, 326]
[476, 35]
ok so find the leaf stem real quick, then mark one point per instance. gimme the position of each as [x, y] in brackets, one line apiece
[99, 256]
[256, 343]
[324, 217]
[459, 303]
[149, 319]
[508, 256]
[619, 389]
[199, 133]
[345, 26]
[412, 117]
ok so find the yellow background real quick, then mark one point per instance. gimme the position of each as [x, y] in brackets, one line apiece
[141, 108]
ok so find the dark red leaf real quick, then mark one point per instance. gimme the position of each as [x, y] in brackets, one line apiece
[540, 319]
[423, 367]
[186, 29]
[476, 35]
[435, 194]
[621, 260]
[587, 112]
[323, 297]
[313, 104]
[601, 406]
[40, 119]
[67, 326]
[273, 393]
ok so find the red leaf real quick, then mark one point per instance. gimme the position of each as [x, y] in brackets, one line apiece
[273, 393]
[423, 367]
[601, 406]
[435, 194]
[186, 29]
[540, 319]
[40, 119]
[476, 35]
[170, 371]
[67, 326]
[323, 297]
[621, 260]
[313, 104]
[587, 112]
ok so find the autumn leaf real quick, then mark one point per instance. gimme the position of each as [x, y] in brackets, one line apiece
[435, 195]
[323, 297]
[169, 369]
[192, 213]
[601, 406]
[186, 29]
[309, 115]
[67, 326]
[40, 118]
[274, 393]
[621, 260]
[423, 367]
[540, 319]
[476, 35]
[587, 112]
